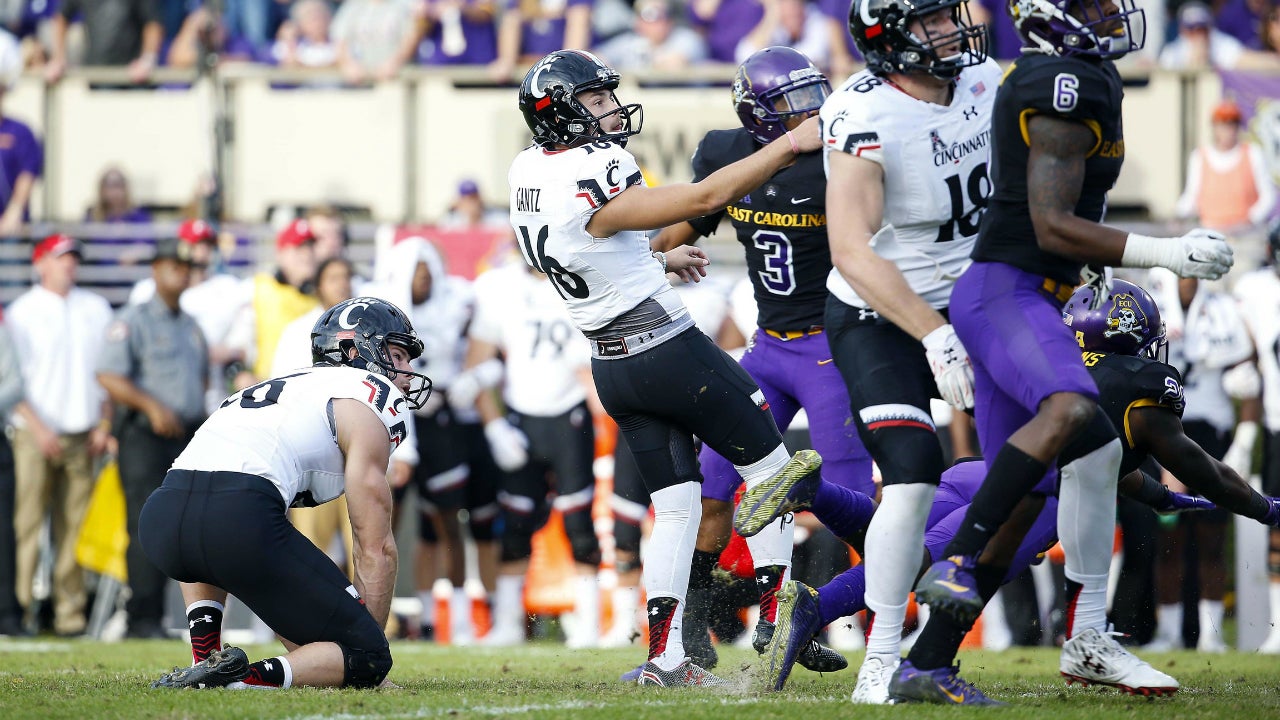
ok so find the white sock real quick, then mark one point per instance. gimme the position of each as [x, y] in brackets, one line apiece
[1169, 623]
[626, 605]
[508, 603]
[677, 510]
[773, 544]
[765, 468]
[460, 616]
[586, 607]
[895, 542]
[428, 613]
[1086, 526]
[1211, 614]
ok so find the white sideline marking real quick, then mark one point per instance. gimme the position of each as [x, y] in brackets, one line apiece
[684, 701]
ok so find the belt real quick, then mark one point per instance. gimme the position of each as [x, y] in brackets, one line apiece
[1060, 291]
[785, 335]
[605, 348]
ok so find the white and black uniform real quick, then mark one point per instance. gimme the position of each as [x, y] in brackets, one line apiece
[219, 518]
[454, 467]
[658, 376]
[934, 159]
[1259, 296]
[520, 313]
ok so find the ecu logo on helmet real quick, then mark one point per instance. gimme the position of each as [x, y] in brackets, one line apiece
[1126, 318]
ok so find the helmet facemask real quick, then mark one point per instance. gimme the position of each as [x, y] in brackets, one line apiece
[578, 130]
[970, 41]
[1080, 27]
[882, 31]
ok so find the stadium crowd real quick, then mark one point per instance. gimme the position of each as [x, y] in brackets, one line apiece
[82, 382]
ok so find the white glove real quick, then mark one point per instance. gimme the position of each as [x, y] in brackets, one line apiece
[465, 388]
[510, 447]
[951, 367]
[1242, 381]
[1239, 456]
[1200, 253]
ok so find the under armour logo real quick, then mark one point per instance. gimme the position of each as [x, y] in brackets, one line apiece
[655, 612]
[763, 580]
[971, 113]
[205, 618]
[268, 665]
[868, 314]
[1093, 665]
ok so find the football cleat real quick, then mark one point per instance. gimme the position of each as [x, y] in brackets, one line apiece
[686, 674]
[632, 675]
[791, 638]
[873, 681]
[220, 669]
[793, 488]
[943, 686]
[1094, 658]
[949, 585]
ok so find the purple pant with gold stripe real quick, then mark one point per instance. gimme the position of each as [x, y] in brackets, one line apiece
[1021, 351]
[796, 374]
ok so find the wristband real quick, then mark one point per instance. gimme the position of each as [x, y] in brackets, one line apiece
[795, 147]
[660, 257]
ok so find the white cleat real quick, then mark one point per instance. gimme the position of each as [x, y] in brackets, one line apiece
[1094, 658]
[873, 681]
[1272, 644]
[503, 636]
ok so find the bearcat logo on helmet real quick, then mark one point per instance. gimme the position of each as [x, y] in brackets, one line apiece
[881, 30]
[550, 105]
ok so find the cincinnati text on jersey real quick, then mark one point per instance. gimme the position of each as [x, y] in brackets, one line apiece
[775, 219]
[957, 151]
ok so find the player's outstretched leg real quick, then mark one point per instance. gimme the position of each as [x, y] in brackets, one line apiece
[942, 686]
[812, 655]
[792, 488]
[220, 669]
[1094, 658]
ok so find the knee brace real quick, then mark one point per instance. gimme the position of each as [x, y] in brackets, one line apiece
[905, 453]
[581, 530]
[365, 668]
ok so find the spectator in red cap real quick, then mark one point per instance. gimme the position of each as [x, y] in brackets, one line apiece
[214, 299]
[62, 422]
[275, 300]
[1228, 187]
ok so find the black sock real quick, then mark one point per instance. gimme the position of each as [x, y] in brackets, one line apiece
[204, 619]
[700, 570]
[941, 636]
[660, 611]
[768, 580]
[267, 673]
[1012, 475]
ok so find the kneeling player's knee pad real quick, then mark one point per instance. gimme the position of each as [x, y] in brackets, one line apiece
[365, 668]
[905, 453]
[582, 537]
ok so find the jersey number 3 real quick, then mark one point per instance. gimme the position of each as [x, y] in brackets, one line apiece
[566, 283]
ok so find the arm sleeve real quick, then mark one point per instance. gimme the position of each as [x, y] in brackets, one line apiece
[1187, 203]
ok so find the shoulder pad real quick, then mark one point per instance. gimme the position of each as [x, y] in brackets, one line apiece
[605, 171]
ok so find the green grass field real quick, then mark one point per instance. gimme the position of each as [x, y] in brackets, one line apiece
[78, 680]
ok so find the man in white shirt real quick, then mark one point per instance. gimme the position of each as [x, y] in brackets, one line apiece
[62, 422]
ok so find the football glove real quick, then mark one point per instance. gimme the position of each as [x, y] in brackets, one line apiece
[1200, 253]
[1176, 502]
[510, 447]
[951, 367]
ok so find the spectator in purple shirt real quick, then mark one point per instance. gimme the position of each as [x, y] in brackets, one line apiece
[530, 29]
[844, 55]
[1242, 19]
[115, 205]
[724, 23]
[459, 32]
[1003, 40]
[21, 157]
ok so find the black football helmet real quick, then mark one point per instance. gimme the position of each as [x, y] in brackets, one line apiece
[881, 30]
[549, 100]
[368, 325]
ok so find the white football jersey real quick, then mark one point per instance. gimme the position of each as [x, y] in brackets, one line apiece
[1259, 296]
[282, 430]
[935, 172]
[553, 196]
[519, 312]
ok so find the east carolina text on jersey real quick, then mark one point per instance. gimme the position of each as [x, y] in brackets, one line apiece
[782, 225]
[282, 430]
[935, 172]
